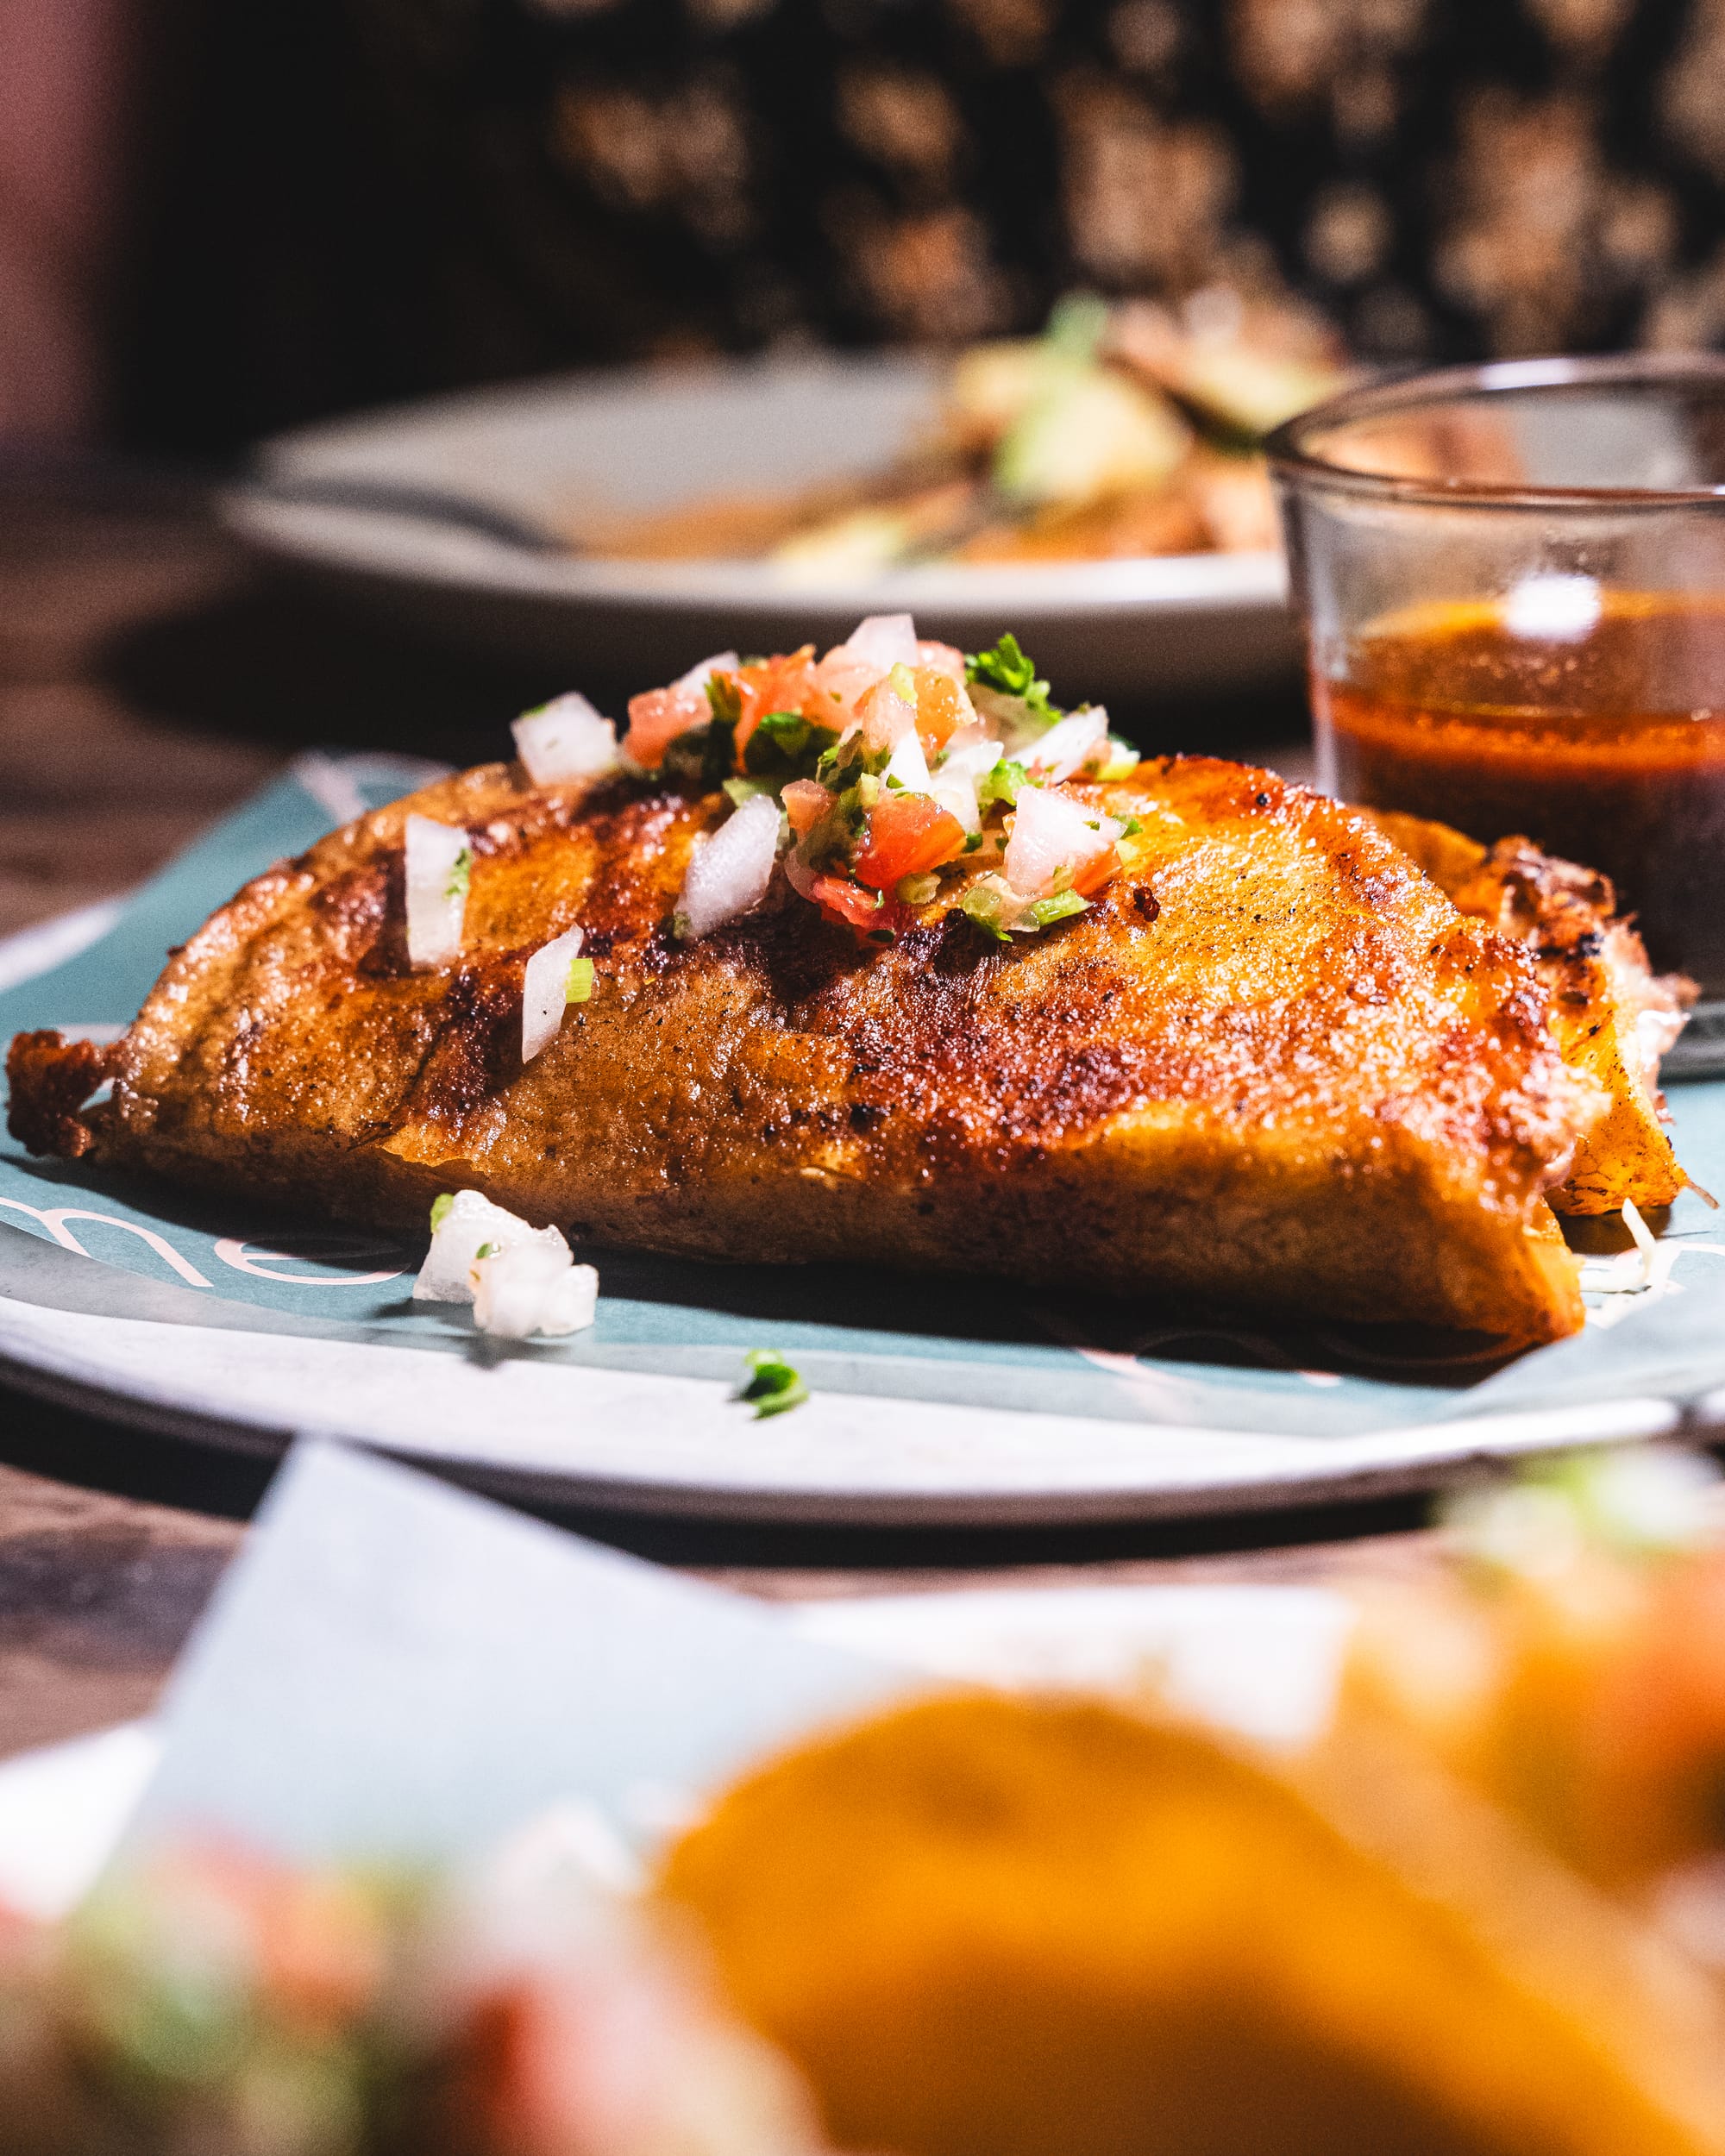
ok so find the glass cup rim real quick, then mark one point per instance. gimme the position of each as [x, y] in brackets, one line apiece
[1296, 464]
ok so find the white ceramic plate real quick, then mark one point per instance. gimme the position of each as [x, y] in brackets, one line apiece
[636, 441]
[216, 1320]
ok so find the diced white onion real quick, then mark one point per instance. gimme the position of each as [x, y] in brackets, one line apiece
[531, 1288]
[943, 659]
[1010, 717]
[885, 641]
[992, 899]
[957, 795]
[729, 872]
[970, 753]
[1082, 738]
[1052, 831]
[698, 676]
[469, 1223]
[437, 891]
[907, 764]
[564, 739]
[545, 992]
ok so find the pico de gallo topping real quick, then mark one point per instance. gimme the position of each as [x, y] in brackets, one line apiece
[894, 762]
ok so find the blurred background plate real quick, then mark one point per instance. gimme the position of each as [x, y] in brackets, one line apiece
[561, 452]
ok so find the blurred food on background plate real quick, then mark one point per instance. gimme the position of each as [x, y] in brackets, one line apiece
[1469, 1915]
[208, 1999]
[1571, 1665]
[1123, 430]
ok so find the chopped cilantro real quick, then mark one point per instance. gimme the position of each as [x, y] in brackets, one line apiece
[1001, 784]
[706, 756]
[579, 984]
[773, 1384]
[999, 912]
[485, 1250]
[1131, 828]
[737, 791]
[985, 904]
[839, 764]
[725, 699]
[460, 874]
[972, 841]
[1007, 670]
[1046, 912]
[832, 843]
[788, 730]
[786, 745]
[440, 1208]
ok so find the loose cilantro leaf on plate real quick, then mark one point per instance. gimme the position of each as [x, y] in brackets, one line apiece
[774, 1385]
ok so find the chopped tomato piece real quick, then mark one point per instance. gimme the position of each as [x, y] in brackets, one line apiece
[1101, 868]
[806, 803]
[848, 902]
[784, 683]
[909, 834]
[840, 683]
[942, 658]
[940, 707]
[886, 716]
[656, 718]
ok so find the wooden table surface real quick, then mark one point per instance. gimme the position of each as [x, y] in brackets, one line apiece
[150, 677]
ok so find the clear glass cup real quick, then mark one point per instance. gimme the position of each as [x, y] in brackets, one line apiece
[1513, 578]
